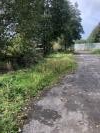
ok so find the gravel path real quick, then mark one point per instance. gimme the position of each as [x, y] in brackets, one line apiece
[73, 106]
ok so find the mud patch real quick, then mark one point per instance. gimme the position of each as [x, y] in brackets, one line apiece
[45, 116]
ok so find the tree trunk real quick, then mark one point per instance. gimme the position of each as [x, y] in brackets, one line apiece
[9, 66]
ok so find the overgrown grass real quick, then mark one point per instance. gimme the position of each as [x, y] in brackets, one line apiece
[97, 51]
[17, 88]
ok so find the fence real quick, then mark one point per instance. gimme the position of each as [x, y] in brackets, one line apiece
[87, 46]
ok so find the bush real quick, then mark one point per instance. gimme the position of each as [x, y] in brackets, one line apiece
[18, 53]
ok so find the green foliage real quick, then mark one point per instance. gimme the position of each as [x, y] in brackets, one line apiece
[17, 88]
[15, 47]
[68, 20]
[97, 51]
[95, 35]
[19, 52]
[40, 21]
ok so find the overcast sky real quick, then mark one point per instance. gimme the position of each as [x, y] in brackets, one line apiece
[90, 10]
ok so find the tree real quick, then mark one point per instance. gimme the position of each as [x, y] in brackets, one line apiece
[33, 22]
[6, 24]
[95, 35]
[75, 28]
[45, 28]
[66, 21]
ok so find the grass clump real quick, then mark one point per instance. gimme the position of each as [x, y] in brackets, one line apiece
[97, 51]
[18, 87]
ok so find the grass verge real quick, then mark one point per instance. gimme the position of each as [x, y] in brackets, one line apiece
[97, 51]
[17, 88]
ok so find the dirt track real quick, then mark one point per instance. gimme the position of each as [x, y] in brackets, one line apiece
[73, 106]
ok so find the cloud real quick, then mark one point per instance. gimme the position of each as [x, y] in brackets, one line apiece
[90, 10]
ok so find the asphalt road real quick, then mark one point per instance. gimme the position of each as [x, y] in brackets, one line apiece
[72, 106]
